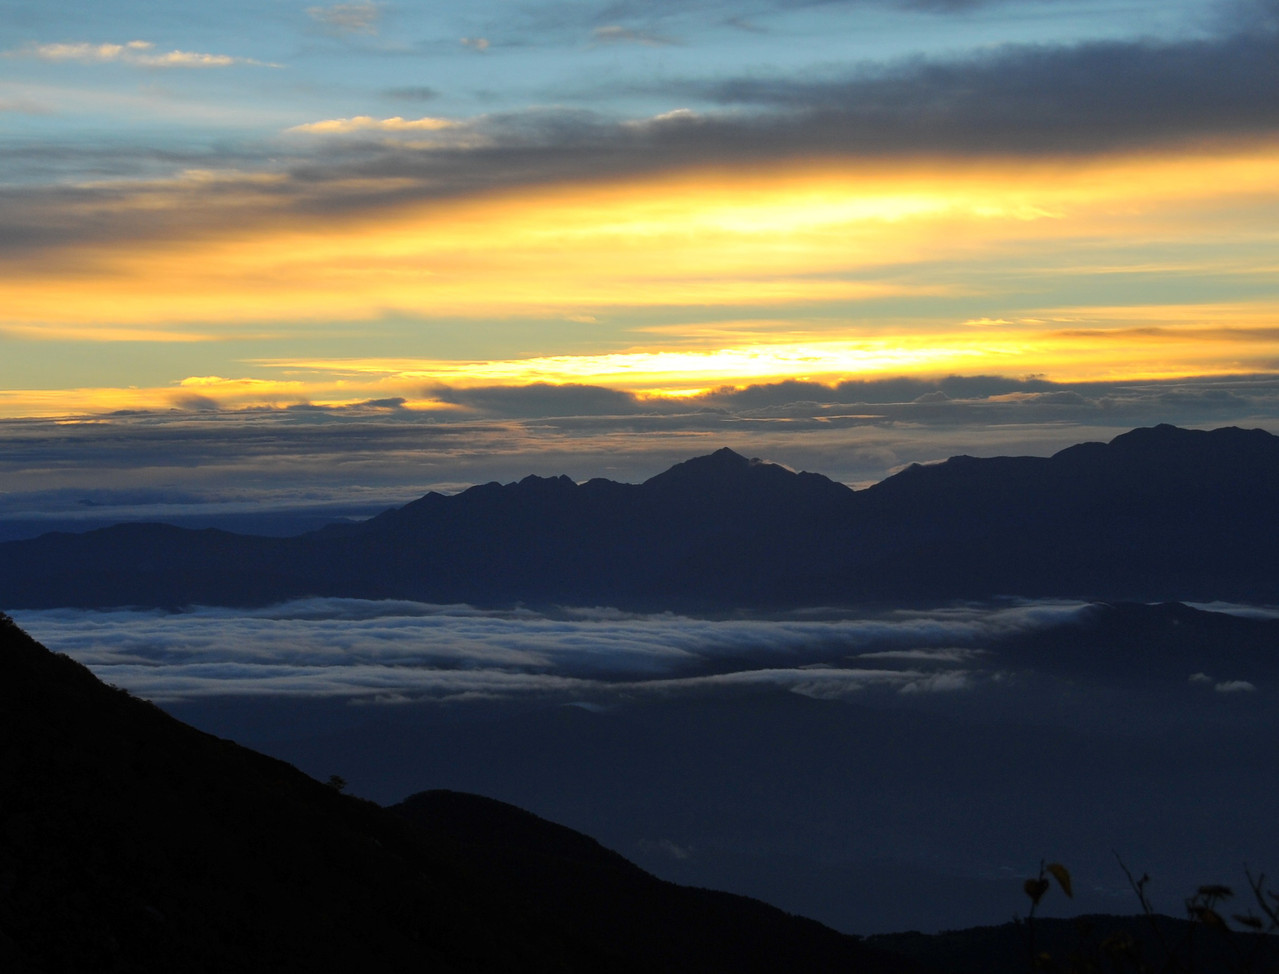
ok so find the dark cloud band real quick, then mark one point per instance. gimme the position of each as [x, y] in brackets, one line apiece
[1013, 101]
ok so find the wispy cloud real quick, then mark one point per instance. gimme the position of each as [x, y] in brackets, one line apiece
[1235, 686]
[24, 106]
[137, 53]
[348, 18]
[616, 34]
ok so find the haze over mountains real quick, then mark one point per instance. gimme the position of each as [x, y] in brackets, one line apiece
[1156, 514]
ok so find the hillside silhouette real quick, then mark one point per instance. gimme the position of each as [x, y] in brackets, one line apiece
[1158, 514]
[133, 842]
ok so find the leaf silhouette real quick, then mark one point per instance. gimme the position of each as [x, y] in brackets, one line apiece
[1062, 875]
[1035, 889]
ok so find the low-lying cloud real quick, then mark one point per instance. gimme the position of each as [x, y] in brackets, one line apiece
[389, 651]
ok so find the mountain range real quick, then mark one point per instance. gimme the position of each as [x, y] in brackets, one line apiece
[1156, 514]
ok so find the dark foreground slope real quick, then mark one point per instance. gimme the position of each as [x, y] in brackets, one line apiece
[1093, 943]
[560, 880]
[132, 842]
[1157, 514]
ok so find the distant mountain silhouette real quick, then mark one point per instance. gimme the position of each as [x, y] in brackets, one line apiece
[132, 842]
[1148, 645]
[1157, 514]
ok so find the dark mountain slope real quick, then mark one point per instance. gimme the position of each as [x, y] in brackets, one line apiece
[560, 879]
[1155, 515]
[132, 842]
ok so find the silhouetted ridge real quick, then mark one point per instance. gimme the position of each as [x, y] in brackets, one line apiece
[563, 880]
[503, 828]
[1160, 514]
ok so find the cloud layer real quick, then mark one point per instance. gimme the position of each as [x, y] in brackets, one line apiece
[389, 652]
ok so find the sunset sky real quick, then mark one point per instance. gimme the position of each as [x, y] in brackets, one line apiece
[387, 246]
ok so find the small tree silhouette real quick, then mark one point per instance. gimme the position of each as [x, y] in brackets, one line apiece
[1248, 948]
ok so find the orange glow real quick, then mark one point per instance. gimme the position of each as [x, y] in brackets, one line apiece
[1132, 353]
[803, 235]
[1079, 352]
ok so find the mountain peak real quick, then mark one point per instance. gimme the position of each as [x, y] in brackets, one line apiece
[726, 484]
[534, 482]
[718, 467]
[722, 459]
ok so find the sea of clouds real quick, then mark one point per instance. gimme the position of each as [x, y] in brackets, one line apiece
[383, 652]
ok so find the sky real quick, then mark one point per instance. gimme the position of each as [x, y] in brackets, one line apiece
[281, 253]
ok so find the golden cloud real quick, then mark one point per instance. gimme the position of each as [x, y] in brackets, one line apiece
[363, 123]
